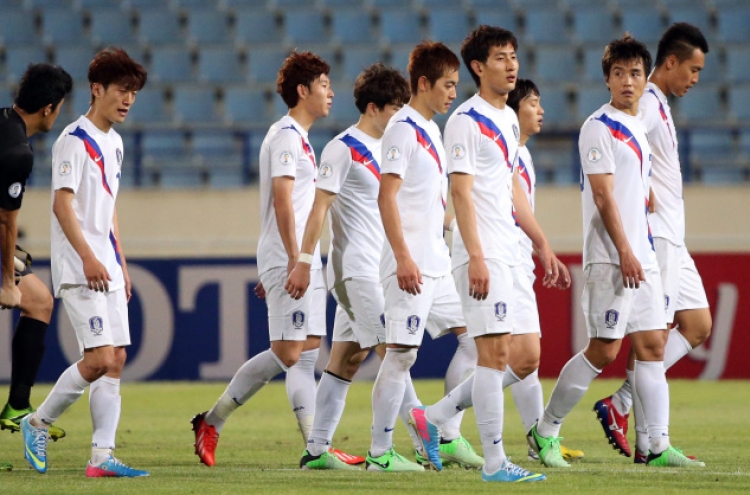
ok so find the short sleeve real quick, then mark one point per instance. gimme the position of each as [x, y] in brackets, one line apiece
[335, 162]
[68, 162]
[399, 144]
[284, 151]
[462, 141]
[15, 167]
[595, 148]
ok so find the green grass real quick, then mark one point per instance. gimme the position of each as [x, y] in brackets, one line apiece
[260, 447]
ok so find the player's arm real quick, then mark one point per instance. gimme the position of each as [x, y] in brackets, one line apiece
[123, 262]
[407, 272]
[602, 186]
[10, 295]
[282, 204]
[299, 278]
[466, 219]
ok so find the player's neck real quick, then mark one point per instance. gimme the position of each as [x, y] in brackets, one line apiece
[419, 103]
[524, 138]
[302, 117]
[659, 78]
[367, 126]
[494, 98]
[32, 121]
[631, 110]
[100, 122]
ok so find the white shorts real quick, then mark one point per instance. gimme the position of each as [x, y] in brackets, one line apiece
[611, 311]
[437, 309]
[98, 318]
[683, 287]
[294, 319]
[526, 317]
[361, 301]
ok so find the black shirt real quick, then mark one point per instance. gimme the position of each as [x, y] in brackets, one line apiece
[16, 159]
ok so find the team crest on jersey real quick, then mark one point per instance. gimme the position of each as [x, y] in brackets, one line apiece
[516, 133]
[458, 151]
[15, 190]
[96, 324]
[118, 154]
[412, 324]
[64, 168]
[325, 170]
[393, 154]
[594, 155]
[611, 317]
[298, 319]
[501, 311]
[286, 158]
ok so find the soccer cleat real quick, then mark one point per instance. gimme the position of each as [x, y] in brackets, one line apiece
[113, 468]
[548, 449]
[326, 460]
[352, 460]
[392, 462]
[570, 455]
[615, 425]
[10, 419]
[428, 434]
[673, 457]
[532, 455]
[640, 457]
[6, 466]
[460, 451]
[35, 445]
[421, 460]
[206, 439]
[510, 473]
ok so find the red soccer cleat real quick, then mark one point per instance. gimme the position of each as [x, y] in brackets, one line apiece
[206, 439]
[352, 460]
[615, 425]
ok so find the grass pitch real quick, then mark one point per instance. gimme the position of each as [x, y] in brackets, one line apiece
[260, 447]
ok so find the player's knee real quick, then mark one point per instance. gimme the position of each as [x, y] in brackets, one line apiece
[526, 367]
[354, 361]
[289, 360]
[403, 358]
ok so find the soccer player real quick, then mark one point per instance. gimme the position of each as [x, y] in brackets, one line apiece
[680, 57]
[89, 271]
[623, 292]
[287, 185]
[41, 93]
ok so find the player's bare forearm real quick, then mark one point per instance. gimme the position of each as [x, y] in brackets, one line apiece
[316, 219]
[282, 204]
[8, 235]
[389, 186]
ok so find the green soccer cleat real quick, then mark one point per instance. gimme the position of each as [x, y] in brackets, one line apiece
[392, 462]
[548, 449]
[460, 451]
[326, 460]
[421, 460]
[10, 419]
[673, 457]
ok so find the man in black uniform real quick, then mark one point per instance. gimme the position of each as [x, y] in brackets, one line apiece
[40, 95]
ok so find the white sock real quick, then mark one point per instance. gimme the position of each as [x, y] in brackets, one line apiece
[488, 407]
[653, 391]
[509, 378]
[641, 433]
[68, 389]
[105, 404]
[452, 404]
[623, 398]
[410, 401]
[677, 347]
[388, 395]
[250, 378]
[574, 380]
[300, 389]
[330, 400]
[461, 366]
[529, 399]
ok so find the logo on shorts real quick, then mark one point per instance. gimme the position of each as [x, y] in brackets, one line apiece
[666, 303]
[382, 319]
[298, 319]
[412, 324]
[96, 324]
[611, 317]
[15, 190]
[501, 311]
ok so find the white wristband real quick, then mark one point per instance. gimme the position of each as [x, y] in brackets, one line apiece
[452, 225]
[305, 258]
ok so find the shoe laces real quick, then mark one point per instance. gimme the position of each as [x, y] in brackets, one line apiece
[211, 438]
[40, 442]
[513, 469]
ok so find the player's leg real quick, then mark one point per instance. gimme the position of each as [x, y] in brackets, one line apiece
[692, 317]
[462, 365]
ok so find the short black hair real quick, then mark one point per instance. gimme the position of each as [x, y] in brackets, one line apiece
[680, 39]
[380, 85]
[523, 89]
[479, 42]
[42, 85]
[625, 49]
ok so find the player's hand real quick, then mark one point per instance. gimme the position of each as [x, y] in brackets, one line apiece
[549, 265]
[96, 274]
[563, 280]
[298, 281]
[10, 296]
[479, 279]
[408, 275]
[291, 264]
[632, 272]
[128, 285]
[260, 291]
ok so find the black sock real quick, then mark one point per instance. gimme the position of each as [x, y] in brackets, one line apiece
[27, 352]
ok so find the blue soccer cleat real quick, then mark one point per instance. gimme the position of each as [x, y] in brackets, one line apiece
[510, 473]
[428, 434]
[35, 445]
[113, 468]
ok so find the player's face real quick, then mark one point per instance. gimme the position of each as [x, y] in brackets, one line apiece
[320, 97]
[382, 117]
[49, 120]
[441, 95]
[530, 115]
[500, 71]
[114, 102]
[685, 75]
[626, 83]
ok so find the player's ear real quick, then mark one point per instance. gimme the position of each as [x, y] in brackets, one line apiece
[46, 111]
[671, 62]
[302, 91]
[423, 84]
[476, 66]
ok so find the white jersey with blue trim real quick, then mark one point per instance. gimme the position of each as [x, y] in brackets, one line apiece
[613, 142]
[285, 152]
[87, 161]
[482, 141]
[350, 168]
[527, 178]
[412, 149]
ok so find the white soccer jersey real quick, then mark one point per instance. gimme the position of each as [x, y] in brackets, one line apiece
[87, 161]
[413, 150]
[285, 152]
[668, 219]
[613, 142]
[350, 168]
[483, 141]
[527, 177]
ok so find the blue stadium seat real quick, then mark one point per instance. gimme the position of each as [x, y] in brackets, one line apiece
[160, 144]
[352, 26]
[43, 4]
[697, 15]
[208, 26]
[17, 27]
[592, 64]
[75, 59]
[256, 26]
[81, 101]
[112, 27]
[387, 3]
[556, 108]
[545, 26]
[61, 26]
[279, 108]
[335, 4]
[246, 105]
[305, 26]
[504, 18]
[194, 105]
[264, 63]
[171, 64]
[160, 27]
[644, 23]
[738, 66]
[220, 154]
[712, 69]
[449, 25]
[590, 98]
[733, 24]
[702, 104]
[399, 57]
[556, 63]
[343, 113]
[431, 4]
[400, 26]
[146, 4]
[18, 58]
[148, 108]
[594, 25]
[713, 153]
[356, 59]
[739, 102]
[246, 4]
[318, 139]
[11, 5]
[745, 141]
[195, 4]
[220, 64]
[506, 5]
